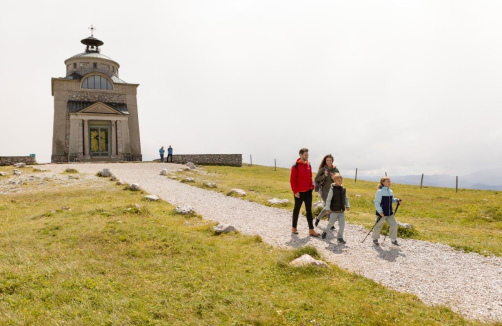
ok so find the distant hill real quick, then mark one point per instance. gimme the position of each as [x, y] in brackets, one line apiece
[485, 180]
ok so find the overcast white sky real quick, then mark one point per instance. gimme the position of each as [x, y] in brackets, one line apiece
[399, 86]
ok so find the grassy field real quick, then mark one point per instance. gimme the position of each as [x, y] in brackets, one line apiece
[470, 220]
[90, 257]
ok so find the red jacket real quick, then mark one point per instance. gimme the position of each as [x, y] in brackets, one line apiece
[301, 177]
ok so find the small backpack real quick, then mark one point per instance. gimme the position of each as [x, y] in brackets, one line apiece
[318, 185]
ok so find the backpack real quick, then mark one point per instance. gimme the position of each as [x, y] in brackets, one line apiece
[318, 185]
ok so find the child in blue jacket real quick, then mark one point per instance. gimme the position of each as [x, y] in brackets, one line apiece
[384, 199]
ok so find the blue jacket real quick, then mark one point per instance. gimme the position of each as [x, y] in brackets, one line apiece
[161, 151]
[170, 150]
[384, 199]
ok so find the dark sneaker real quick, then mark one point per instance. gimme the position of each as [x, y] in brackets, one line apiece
[324, 235]
[375, 242]
[341, 240]
[332, 228]
[317, 222]
[395, 243]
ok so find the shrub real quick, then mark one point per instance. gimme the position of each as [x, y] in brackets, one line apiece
[68, 170]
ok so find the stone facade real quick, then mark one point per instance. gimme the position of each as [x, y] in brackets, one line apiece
[209, 159]
[94, 97]
[11, 160]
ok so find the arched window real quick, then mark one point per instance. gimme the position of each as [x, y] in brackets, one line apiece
[97, 82]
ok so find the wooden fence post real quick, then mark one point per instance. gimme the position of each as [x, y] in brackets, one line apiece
[422, 181]
[250, 160]
[275, 164]
[355, 179]
[385, 173]
[456, 187]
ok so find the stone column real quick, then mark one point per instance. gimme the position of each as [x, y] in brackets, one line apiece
[87, 155]
[80, 140]
[119, 138]
[114, 139]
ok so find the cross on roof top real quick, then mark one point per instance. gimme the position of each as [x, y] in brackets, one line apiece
[92, 28]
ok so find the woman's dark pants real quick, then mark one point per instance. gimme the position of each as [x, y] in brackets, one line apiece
[161, 158]
[307, 198]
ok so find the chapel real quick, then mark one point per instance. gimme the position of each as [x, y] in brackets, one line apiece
[95, 111]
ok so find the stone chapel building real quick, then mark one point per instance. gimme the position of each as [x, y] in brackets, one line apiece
[95, 112]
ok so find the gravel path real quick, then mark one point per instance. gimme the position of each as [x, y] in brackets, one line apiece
[469, 283]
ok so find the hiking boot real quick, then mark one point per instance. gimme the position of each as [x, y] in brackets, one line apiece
[394, 242]
[332, 228]
[317, 221]
[294, 231]
[340, 240]
[324, 235]
[375, 242]
[313, 233]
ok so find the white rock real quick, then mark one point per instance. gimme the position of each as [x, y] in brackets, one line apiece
[16, 172]
[191, 165]
[163, 172]
[180, 170]
[485, 199]
[20, 165]
[318, 204]
[238, 192]
[120, 182]
[105, 173]
[358, 196]
[2, 174]
[186, 168]
[307, 260]
[134, 187]
[152, 197]
[404, 225]
[278, 201]
[185, 209]
[223, 228]
[113, 178]
[210, 184]
[188, 179]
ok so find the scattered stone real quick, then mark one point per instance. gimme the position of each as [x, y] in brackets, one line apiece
[188, 179]
[66, 208]
[223, 228]
[134, 187]
[191, 165]
[13, 182]
[16, 172]
[210, 184]
[120, 182]
[20, 165]
[358, 196]
[152, 197]
[276, 201]
[185, 209]
[485, 199]
[113, 178]
[318, 204]
[180, 170]
[186, 168]
[307, 260]
[40, 170]
[163, 172]
[105, 173]
[404, 225]
[173, 177]
[2, 174]
[238, 192]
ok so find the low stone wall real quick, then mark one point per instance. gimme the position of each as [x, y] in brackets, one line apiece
[209, 159]
[11, 160]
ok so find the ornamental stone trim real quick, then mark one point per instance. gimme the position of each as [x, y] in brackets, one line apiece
[96, 96]
[11, 160]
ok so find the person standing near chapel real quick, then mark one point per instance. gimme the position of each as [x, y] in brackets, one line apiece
[302, 186]
[161, 152]
[169, 154]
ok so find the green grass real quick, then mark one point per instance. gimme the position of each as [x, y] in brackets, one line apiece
[470, 220]
[90, 257]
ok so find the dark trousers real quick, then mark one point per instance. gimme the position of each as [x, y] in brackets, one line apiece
[161, 158]
[307, 198]
[169, 156]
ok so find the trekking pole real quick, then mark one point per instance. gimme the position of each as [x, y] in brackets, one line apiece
[395, 212]
[378, 219]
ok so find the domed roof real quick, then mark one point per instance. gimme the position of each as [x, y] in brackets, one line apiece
[92, 55]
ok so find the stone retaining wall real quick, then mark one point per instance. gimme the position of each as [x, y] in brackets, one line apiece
[209, 159]
[11, 160]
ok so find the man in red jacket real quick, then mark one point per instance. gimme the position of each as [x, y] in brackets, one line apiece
[302, 186]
